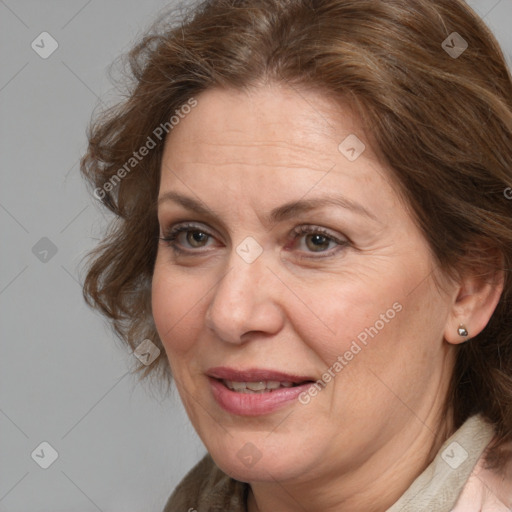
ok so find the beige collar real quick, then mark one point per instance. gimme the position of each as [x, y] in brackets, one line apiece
[439, 486]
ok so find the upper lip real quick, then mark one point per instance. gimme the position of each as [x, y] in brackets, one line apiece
[254, 375]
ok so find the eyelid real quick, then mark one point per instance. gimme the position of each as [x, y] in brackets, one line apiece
[313, 229]
[182, 227]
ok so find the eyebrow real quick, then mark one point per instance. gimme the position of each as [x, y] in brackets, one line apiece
[278, 214]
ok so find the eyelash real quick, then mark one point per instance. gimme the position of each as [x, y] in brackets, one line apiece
[316, 230]
[170, 238]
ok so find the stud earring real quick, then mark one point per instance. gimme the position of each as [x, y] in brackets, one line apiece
[462, 330]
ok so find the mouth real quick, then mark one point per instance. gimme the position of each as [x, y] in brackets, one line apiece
[256, 380]
[256, 391]
[261, 386]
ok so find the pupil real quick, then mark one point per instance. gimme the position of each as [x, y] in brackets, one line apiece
[318, 242]
[196, 237]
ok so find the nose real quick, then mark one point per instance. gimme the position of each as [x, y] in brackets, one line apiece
[245, 301]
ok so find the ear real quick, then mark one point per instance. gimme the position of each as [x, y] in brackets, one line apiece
[476, 297]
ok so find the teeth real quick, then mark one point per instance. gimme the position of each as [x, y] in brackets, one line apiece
[256, 387]
[237, 386]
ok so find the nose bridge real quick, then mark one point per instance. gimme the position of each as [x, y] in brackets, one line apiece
[241, 281]
[243, 299]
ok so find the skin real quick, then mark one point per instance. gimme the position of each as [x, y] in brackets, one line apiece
[358, 444]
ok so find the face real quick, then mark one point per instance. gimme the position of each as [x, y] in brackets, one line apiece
[288, 262]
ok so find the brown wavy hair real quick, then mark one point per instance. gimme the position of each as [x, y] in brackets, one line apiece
[442, 123]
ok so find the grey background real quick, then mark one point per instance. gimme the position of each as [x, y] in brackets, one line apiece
[64, 378]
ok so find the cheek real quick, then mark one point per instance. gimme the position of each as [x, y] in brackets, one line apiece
[374, 323]
[176, 304]
[347, 310]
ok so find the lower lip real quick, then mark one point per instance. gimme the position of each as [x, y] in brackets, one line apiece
[254, 404]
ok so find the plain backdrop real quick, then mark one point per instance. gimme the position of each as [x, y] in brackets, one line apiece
[64, 379]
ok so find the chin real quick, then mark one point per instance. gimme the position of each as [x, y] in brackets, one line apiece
[253, 461]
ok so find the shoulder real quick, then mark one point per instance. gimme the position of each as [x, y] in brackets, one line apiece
[488, 489]
[206, 488]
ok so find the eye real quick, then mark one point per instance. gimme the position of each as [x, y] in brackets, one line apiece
[191, 238]
[188, 236]
[314, 239]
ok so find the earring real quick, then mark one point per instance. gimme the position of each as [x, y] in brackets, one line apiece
[462, 330]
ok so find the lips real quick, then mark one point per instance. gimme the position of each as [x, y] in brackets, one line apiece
[255, 375]
[256, 391]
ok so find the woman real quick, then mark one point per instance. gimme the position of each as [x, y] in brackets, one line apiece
[312, 226]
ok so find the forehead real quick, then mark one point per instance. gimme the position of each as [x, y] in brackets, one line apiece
[295, 137]
[268, 124]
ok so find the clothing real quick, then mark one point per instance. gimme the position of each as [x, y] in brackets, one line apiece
[455, 481]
